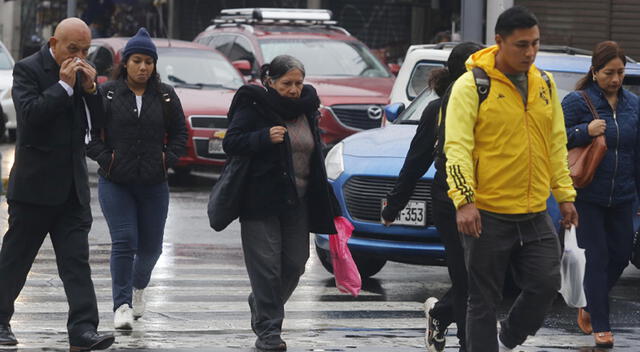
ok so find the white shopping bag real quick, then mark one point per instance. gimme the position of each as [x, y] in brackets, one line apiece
[572, 271]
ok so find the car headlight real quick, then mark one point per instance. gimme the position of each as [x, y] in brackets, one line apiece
[334, 162]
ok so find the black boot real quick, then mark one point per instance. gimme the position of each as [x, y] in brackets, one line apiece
[7, 338]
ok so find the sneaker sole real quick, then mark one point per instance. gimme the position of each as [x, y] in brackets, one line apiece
[127, 326]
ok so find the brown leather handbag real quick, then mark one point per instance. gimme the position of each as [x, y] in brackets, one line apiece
[583, 161]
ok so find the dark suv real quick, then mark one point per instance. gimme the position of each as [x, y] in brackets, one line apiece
[352, 83]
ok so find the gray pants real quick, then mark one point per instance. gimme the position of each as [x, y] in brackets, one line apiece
[276, 249]
[532, 249]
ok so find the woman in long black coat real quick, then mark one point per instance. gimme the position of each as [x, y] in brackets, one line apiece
[286, 195]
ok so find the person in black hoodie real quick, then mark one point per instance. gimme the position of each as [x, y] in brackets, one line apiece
[287, 194]
[145, 133]
[425, 146]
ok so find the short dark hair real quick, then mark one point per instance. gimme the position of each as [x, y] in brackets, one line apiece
[517, 17]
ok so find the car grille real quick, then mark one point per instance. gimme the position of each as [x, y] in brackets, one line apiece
[356, 116]
[202, 150]
[208, 122]
[363, 196]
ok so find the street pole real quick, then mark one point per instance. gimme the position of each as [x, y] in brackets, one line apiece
[472, 15]
[71, 8]
[494, 9]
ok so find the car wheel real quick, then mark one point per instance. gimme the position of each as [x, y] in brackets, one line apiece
[367, 266]
[12, 135]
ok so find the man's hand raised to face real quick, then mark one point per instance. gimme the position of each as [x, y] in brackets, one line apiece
[68, 70]
[88, 75]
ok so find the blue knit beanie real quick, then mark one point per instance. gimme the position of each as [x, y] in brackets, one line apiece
[140, 44]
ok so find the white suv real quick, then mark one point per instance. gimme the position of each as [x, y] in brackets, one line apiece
[413, 75]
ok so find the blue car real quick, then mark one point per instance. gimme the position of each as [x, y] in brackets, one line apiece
[363, 168]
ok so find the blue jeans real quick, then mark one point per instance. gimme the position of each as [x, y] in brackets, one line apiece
[136, 216]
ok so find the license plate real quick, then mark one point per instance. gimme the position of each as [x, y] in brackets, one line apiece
[215, 146]
[414, 214]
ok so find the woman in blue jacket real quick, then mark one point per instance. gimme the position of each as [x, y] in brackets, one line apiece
[606, 205]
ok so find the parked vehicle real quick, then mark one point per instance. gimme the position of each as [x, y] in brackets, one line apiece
[7, 111]
[364, 167]
[204, 80]
[352, 83]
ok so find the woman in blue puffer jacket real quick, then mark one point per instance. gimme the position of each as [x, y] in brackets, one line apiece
[606, 205]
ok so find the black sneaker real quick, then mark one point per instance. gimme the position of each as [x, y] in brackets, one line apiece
[434, 336]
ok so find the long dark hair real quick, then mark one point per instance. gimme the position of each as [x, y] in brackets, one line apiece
[602, 54]
[440, 79]
[120, 72]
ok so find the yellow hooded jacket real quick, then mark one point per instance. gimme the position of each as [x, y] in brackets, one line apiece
[505, 156]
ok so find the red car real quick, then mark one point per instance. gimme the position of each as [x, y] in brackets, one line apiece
[204, 80]
[352, 83]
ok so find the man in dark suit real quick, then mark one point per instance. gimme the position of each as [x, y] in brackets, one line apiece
[54, 93]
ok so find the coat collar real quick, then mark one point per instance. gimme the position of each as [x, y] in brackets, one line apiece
[48, 62]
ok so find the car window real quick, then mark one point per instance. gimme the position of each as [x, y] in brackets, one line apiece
[419, 77]
[632, 83]
[102, 58]
[327, 57]
[195, 68]
[222, 43]
[204, 40]
[412, 114]
[241, 49]
[5, 60]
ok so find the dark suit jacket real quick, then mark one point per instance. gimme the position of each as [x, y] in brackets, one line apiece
[50, 160]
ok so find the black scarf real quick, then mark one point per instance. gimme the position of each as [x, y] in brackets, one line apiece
[281, 108]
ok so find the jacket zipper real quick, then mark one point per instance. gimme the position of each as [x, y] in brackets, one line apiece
[615, 169]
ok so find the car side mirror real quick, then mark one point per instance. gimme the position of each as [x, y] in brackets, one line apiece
[244, 66]
[102, 79]
[392, 111]
[394, 68]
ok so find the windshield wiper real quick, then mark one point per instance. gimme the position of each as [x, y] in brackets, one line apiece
[214, 85]
[182, 83]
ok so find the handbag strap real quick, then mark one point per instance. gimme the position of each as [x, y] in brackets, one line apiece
[594, 112]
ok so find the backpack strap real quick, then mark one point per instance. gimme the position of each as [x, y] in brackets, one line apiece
[483, 84]
[547, 80]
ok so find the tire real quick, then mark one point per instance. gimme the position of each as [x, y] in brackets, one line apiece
[12, 135]
[367, 266]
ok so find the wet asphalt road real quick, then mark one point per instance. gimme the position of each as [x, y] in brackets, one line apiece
[197, 297]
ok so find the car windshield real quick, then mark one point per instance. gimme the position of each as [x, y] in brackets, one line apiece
[565, 81]
[327, 57]
[5, 60]
[198, 69]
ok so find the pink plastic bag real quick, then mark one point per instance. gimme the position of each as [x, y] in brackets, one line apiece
[344, 268]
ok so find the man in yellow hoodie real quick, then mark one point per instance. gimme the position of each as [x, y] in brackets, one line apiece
[504, 156]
